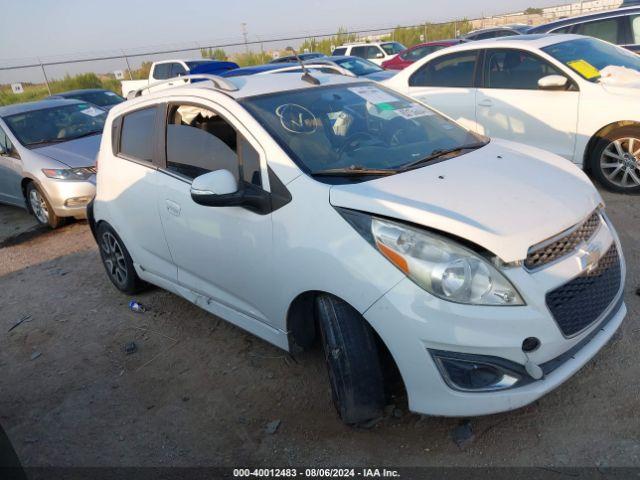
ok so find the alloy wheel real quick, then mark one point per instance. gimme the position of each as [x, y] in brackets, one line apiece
[620, 162]
[39, 206]
[113, 257]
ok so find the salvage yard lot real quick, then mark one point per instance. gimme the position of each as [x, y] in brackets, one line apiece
[199, 391]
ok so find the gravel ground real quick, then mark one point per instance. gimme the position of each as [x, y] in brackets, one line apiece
[199, 391]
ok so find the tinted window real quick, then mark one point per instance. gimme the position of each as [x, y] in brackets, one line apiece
[504, 33]
[563, 29]
[137, 134]
[102, 99]
[200, 141]
[515, 69]
[359, 52]
[339, 51]
[485, 35]
[392, 48]
[162, 71]
[177, 69]
[374, 52]
[607, 29]
[454, 70]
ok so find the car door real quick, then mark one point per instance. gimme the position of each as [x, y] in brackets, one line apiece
[510, 104]
[222, 253]
[134, 186]
[10, 172]
[447, 83]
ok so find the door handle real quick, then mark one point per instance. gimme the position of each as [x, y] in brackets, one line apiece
[173, 208]
[486, 103]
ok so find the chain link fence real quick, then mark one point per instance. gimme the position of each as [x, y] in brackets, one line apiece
[32, 79]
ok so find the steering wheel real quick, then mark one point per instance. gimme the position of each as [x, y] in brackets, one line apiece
[352, 143]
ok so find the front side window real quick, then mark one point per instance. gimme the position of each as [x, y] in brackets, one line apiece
[607, 30]
[162, 71]
[355, 126]
[56, 124]
[515, 69]
[177, 70]
[6, 145]
[374, 52]
[587, 56]
[136, 140]
[454, 70]
[201, 141]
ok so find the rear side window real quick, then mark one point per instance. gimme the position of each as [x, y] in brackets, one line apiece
[162, 71]
[453, 70]
[339, 51]
[359, 52]
[607, 29]
[136, 140]
[201, 141]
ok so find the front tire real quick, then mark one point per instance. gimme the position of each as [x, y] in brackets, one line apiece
[353, 361]
[117, 261]
[41, 208]
[615, 160]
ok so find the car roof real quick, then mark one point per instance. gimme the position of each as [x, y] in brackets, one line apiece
[33, 106]
[533, 41]
[515, 27]
[248, 86]
[237, 72]
[586, 17]
[79, 91]
[357, 44]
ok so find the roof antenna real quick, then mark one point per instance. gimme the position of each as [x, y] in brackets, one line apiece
[306, 76]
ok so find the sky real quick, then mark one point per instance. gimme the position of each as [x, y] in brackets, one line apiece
[63, 29]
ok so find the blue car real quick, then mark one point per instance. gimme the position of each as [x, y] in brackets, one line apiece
[105, 99]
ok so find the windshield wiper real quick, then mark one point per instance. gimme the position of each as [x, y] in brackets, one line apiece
[88, 134]
[62, 140]
[439, 153]
[354, 170]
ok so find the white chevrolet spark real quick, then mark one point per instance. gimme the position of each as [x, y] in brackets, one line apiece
[334, 209]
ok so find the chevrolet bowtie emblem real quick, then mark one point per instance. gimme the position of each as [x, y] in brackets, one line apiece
[589, 256]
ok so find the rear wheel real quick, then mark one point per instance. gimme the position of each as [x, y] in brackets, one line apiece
[41, 209]
[353, 361]
[117, 261]
[615, 160]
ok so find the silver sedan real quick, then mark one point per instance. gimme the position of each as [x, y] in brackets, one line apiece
[48, 151]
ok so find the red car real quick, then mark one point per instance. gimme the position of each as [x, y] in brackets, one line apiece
[410, 55]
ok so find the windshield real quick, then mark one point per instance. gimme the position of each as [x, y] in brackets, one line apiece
[56, 124]
[393, 48]
[587, 56]
[355, 126]
[102, 99]
[359, 66]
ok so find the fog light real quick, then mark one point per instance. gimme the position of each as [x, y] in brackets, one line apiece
[476, 373]
[77, 201]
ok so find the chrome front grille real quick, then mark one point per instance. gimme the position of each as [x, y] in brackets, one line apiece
[564, 244]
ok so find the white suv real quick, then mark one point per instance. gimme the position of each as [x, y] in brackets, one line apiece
[334, 209]
[376, 52]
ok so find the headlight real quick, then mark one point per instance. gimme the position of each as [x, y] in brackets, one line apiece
[442, 267]
[83, 173]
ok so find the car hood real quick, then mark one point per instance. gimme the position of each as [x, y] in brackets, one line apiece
[630, 90]
[504, 197]
[81, 152]
[380, 76]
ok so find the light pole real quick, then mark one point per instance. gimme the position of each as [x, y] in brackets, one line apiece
[244, 34]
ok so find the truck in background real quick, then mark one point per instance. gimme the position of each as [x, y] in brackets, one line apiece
[170, 69]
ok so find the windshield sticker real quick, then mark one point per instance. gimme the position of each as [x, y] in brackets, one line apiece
[413, 111]
[584, 68]
[373, 94]
[92, 111]
[385, 106]
[296, 119]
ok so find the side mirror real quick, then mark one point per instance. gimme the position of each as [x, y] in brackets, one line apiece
[553, 82]
[220, 189]
[379, 55]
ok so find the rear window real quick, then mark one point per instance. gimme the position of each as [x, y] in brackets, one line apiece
[137, 134]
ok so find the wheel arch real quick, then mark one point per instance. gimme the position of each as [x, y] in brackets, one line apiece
[303, 332]
[599, 135]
